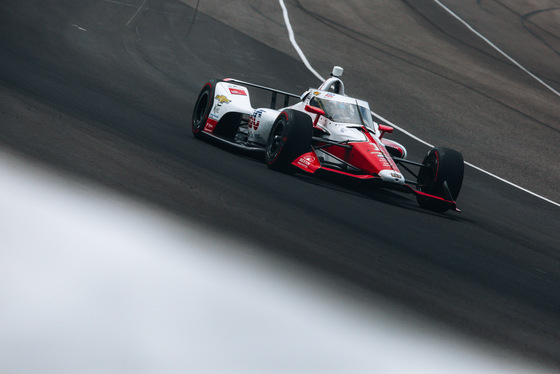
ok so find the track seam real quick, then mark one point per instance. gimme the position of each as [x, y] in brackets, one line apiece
[496, 48]
[135, 14]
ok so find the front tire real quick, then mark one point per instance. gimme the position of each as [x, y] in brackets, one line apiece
[442, 176]
[289, 138]
[202, 108]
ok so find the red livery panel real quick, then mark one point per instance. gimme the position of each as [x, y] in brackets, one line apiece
[210, 125]
[236, 91]
[307, 162]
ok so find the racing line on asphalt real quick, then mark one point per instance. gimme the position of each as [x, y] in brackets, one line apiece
[308, 65]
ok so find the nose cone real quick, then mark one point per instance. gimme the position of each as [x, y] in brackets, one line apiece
[391, 176]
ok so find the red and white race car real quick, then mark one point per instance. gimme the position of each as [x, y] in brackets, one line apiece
[326, 131]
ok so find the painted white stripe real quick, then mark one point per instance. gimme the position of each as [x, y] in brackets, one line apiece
[496, 48]
[512, 184]
[294, 43]
[79, 28]
[468, 163]
[402, 130]
[304, 59]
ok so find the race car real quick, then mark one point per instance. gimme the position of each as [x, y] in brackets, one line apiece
[325, 132]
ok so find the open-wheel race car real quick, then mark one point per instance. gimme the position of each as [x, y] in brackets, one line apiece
[326, 131]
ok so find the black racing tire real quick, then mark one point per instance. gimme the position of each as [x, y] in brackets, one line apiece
[442, 166]
[203, 107]
[289, 138]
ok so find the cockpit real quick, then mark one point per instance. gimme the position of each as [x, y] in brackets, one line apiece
[343, 111]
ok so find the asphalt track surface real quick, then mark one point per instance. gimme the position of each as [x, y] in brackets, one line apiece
[104, 90]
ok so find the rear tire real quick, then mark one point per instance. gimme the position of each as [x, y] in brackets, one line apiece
[442, 176]
[202, 108]
[289, 138]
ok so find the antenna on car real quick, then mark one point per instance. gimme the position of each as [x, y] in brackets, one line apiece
[337, 72]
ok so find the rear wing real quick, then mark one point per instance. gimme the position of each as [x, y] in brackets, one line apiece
[274, 92]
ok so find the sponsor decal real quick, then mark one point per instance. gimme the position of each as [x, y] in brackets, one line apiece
[329, 95]
[237, 91]
[306, 161]
[222, 99]
[210, 125]
[395, 175]
[316, 93]
[383, 160]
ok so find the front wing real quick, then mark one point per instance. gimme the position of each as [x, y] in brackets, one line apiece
[310, 163]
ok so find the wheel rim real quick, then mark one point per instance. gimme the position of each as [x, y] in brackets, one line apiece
[276, 140]
[426, 179]
[200, 111]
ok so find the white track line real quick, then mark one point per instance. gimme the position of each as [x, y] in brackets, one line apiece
[308, 65]
[294, 43]
[467, 163]
[496, 48]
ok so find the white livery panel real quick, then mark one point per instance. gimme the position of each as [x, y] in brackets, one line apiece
[230, 98]
[260, 124]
